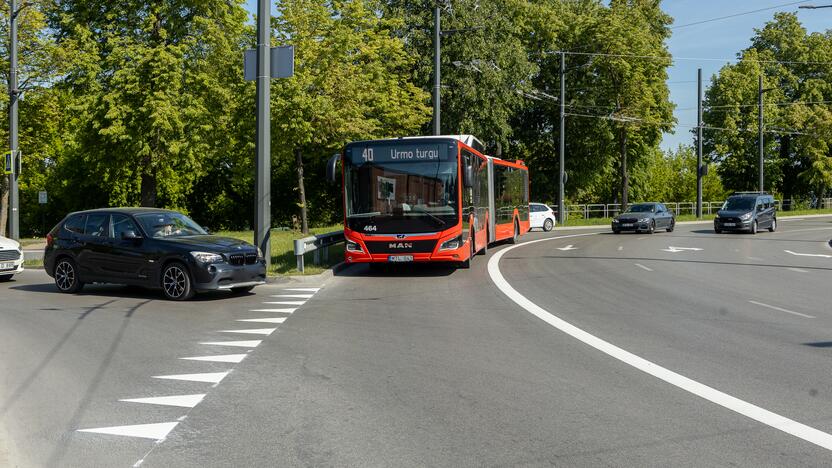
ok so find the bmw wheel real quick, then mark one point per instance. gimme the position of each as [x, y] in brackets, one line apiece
[652, 228]
[548, 225]
[176, 282]
[672, 225]
[66, 276]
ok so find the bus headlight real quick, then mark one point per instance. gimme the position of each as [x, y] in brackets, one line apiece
[354, 247]
[452, 244]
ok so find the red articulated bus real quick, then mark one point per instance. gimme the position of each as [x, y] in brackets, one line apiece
[429, 199]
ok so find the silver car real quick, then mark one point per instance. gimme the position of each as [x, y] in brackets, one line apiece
[644, 217]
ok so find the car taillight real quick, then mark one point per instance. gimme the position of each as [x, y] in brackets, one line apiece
[49, 240]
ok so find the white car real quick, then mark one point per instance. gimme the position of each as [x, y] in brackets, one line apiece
[541, 217]
[11, 258]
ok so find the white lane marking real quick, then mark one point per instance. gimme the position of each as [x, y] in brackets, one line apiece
[620, 248]
[265, 320]
[643, 267]
[642, 238]
[568, 247]
[713, 395]
[781, 309]
[312, 290]
[791, 219]
[156, 431]
[282, 311]
[252, 331]
[756, 259]
[296, 296]
[238, 344]
[182, 401]
[295, 303]
[209, 377]
[681, 249]
[233, 358]
[807, 255]
[799, 270]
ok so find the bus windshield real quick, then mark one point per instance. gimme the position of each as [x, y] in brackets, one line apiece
[401, 188]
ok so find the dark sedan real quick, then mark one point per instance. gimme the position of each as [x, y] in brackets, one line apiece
[147, 247]
[645, 217]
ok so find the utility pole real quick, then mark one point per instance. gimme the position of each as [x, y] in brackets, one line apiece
[699, 168]
[561, 170]
[263, 202]
[760, 132]
[14, 94]
[437, 72]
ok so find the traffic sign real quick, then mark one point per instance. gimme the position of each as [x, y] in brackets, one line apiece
[42, 198]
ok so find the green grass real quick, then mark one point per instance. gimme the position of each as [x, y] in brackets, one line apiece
[689, 217]
[283, 255]
[33, 262]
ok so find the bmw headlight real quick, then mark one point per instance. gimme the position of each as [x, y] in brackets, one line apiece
[644, 220]
[452, 244]
[746, 217]
[207, 258]
[615, 220]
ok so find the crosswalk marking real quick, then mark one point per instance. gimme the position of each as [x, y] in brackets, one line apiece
[252, 331]
[208, 377]
[265, 320]
[156, 431]
[182, 401]
[290, 303]
[312, 290]
[239, 344]
[233, 358]
[282, 311]
[298, 296]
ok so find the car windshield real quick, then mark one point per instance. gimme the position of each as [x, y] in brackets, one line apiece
[162, 225]
[739, 204]
[644, 208]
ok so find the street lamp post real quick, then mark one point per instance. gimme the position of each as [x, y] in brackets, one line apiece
[14, 94]
[437, 77]
[263, 204]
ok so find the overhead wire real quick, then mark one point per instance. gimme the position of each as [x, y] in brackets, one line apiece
[720, 18]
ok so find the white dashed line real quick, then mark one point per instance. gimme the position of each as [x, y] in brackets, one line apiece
[781, 309]
[238, 344]
[252, 331]
[295, 303]
[620, 248]
[713, 395]
[156, 431]
[282, 311]
[798, 270]
[182, 401]
[232, 358]
[643, 267]
[756, 259]
[265, 320]
[295, 296]
[210, 377]
[312, 290]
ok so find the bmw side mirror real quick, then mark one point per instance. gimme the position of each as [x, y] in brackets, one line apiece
[468, 176]
[330, 167]
[130, 235]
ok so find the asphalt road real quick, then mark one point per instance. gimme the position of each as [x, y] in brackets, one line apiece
[430, 366]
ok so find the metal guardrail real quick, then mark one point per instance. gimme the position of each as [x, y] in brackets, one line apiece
[319, 245]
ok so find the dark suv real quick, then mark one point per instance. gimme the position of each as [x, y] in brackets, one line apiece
[747, 211]
[154, 248]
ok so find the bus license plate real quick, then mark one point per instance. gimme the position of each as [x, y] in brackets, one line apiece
[729, 224]
[400, 258]
[6, 266]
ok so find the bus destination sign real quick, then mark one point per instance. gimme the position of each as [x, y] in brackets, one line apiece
[405, 153]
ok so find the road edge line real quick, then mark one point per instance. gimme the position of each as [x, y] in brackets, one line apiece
[771, 419]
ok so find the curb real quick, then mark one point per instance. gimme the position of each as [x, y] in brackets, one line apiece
[325, 275]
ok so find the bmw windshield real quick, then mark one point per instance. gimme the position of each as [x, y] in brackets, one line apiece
[168, 224]
[401, 188]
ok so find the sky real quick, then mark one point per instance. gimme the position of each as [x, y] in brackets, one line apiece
[720, 40]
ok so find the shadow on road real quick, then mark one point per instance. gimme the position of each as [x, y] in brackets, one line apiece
[126, 292]
[404, 270]
[820, 344]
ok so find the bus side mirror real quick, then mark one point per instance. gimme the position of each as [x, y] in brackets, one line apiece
[330, 167]
[468, 176]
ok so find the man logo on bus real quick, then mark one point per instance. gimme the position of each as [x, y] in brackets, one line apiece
[400, 245]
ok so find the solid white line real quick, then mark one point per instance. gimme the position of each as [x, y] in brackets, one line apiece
[295, 303]
[233, 358]
[781, 309]
[312, 290]
[239, 344]
[282, 311]
[146, 431]
[209, 377]
[182, 401]
[643, 267]
[713, 395]
[298, 296]
[265, 320]
[252, 331]
[799, 270]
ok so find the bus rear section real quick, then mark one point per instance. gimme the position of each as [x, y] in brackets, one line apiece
[422, 199]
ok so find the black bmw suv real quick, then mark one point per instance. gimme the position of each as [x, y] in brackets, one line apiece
[148, 247]
[747, 211]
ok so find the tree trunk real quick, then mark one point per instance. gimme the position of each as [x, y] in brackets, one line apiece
[625, 176]
[788, 182]
[149, 190]
[4, 206]
[302, 190]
